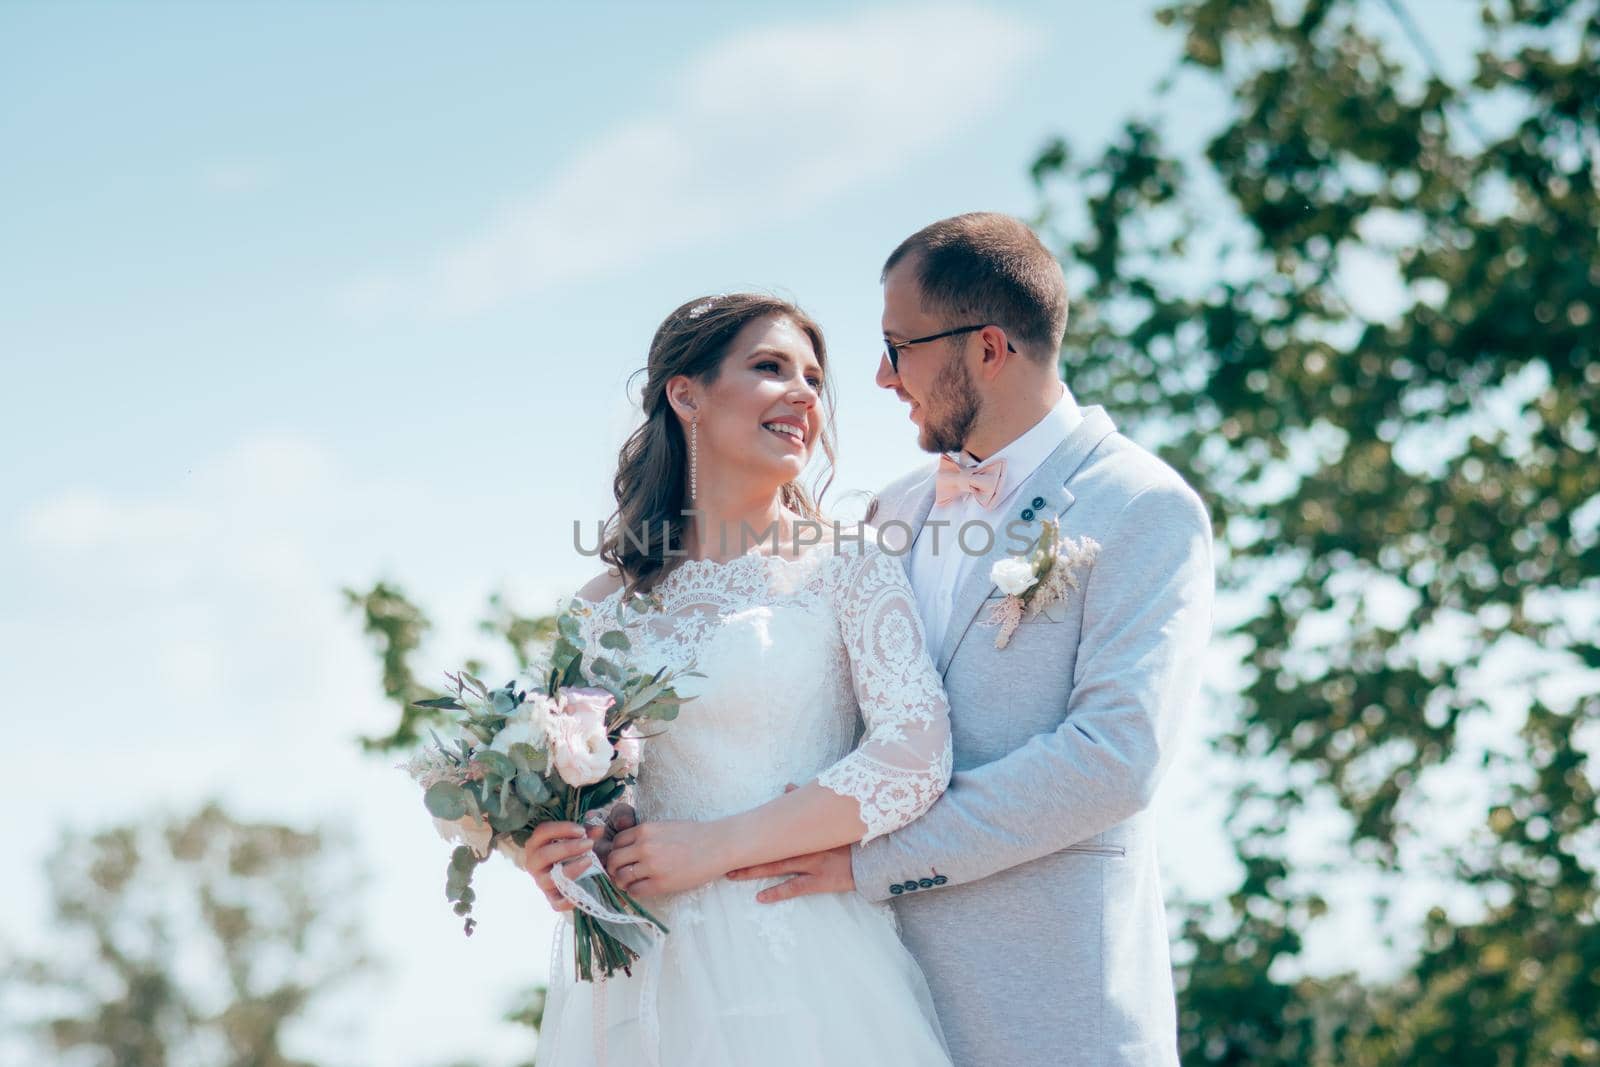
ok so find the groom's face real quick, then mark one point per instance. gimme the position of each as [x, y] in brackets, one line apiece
[933, 377]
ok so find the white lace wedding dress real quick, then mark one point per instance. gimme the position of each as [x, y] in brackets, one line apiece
[815, 669]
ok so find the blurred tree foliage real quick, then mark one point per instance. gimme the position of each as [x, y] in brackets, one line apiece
[1360, 316]
[198, 941]
[398, 626]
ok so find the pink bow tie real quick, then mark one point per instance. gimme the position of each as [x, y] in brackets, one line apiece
[954, 481]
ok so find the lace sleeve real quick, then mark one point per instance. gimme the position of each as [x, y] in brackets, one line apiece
[903, 761]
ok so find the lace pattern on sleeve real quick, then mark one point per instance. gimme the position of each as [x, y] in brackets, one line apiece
[903, 762]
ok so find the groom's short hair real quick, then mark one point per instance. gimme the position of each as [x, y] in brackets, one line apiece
[987, 267]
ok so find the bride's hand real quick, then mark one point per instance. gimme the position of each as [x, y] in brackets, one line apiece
[657, 858]
[565, 843]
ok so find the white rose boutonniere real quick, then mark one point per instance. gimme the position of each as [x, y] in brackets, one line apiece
[1042, 576]
[1013, 575]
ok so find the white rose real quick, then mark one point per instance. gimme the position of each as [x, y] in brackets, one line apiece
[466, 831]
[537, 711]
[580, 749]
[1013, 576]
[519, 732]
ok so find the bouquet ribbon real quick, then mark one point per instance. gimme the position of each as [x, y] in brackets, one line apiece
[640, 935]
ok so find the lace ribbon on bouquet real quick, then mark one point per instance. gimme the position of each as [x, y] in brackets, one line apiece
[640, 935]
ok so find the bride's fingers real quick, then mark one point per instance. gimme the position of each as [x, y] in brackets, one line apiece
[628, 876]
[644, 887]
[540, 860]
[626, 865]
[575, 866]
[547, 832]
[622, 855]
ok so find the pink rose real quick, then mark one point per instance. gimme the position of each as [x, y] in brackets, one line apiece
[580, 747]
[590, 705]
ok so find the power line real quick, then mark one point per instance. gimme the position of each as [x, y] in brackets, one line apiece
[1430, 58]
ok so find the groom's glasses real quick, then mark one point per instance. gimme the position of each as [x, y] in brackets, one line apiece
[893, 347]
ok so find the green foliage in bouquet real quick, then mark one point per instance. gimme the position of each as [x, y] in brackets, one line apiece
[556, 750]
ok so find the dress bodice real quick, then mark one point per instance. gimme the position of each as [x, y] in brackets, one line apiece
[814, 667]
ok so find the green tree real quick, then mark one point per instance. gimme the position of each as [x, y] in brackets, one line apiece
[1359, 316]
[196, 941]
[398, 626]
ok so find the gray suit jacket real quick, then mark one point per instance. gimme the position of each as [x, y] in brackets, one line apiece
[1030, 892]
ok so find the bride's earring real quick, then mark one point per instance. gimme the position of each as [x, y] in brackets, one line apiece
[694, 459]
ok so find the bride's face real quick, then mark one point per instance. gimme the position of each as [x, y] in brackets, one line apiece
[760, 418]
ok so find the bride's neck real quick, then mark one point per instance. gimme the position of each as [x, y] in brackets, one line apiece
[724, 525]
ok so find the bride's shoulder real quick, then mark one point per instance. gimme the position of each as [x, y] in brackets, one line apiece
[600, 586]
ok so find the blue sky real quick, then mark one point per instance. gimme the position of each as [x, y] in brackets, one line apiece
[297, 296]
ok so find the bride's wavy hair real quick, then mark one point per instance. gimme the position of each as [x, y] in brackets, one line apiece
[646, 531]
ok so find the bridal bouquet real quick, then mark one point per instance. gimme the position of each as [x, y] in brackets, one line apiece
[556, 749]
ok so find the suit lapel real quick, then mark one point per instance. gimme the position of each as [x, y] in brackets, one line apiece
[1048, 486]
[909, 513]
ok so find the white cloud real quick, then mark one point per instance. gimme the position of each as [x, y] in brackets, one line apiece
[763, 124]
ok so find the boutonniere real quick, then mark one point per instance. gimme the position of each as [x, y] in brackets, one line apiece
[1037, 578]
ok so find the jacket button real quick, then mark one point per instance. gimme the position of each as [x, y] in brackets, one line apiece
[911, 887]
[1027, 514]
[896, 889]
[926, 883]
[1038, 501]
[939, 879]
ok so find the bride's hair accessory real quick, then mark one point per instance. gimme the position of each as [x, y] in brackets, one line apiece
[704, 306]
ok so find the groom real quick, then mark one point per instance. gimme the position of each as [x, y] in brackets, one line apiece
[1030, 893]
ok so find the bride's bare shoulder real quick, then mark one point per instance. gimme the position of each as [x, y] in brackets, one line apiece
[600, 586]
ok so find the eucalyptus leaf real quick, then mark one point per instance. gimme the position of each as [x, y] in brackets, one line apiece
[446, 800]
[497, 764]
[527, 758]
[514, 814]
[642, 697]
[615, 639]
[532, 788]
[491, 805]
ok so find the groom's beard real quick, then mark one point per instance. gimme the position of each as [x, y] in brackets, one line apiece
[951, 409]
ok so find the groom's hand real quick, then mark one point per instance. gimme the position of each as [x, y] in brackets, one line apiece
[819, 872]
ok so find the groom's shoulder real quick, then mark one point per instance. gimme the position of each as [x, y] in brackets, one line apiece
[1123, 471]
[891, 494]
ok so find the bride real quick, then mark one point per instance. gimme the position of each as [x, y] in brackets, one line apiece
[815, 673]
